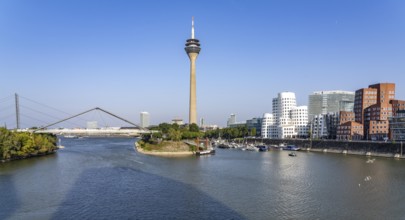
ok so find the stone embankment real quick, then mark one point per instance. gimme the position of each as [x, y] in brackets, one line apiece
[368, 148]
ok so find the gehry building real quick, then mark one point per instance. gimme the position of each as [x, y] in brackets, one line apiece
[287, 120]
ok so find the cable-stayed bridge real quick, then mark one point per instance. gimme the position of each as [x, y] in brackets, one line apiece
[24, 114]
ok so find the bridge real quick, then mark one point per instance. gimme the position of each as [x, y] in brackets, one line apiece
[49, 127]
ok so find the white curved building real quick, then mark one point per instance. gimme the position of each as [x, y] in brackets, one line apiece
[287, 120]
[268, 125]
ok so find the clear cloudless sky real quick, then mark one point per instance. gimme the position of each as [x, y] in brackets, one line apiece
[128, 56]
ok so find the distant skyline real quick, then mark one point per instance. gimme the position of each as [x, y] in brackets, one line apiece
[128, 56]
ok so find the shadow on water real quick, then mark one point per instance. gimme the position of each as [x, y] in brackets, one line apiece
[125, 193]
[9, 202]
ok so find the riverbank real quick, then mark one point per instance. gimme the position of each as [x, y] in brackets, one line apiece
[358, 153]
[27, 157]
[172, 151]
[366, 148]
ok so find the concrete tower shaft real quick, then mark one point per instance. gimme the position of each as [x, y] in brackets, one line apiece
[193, 49]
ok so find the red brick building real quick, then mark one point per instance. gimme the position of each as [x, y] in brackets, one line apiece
[363, 99]
[350, 130]
[346, 116]
[397, 105]
[373, 107]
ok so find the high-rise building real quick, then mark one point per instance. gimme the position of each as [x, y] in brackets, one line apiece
[299, 118]
[287, 120]
[324, 102]
[373, 106]
[145, 119]
[364, 98]
[192, 49]
[269, 127]
[231, 120]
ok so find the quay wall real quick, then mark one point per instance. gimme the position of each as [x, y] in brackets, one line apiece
[370, 148]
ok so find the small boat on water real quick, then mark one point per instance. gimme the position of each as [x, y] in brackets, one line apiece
[205, 152]
[262, 148]
[292, 154]
[292, 148]
[70, 136]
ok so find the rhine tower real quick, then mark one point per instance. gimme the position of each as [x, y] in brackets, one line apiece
[192, 49]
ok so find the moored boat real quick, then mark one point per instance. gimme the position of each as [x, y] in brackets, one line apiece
[205, 152]
[292, 148]
[262, 148]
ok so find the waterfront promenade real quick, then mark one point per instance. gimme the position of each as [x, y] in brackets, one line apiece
[367, 148]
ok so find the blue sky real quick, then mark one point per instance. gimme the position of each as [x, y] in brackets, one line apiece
[128, 56]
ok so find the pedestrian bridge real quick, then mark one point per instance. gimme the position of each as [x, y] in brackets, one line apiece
[134, 131]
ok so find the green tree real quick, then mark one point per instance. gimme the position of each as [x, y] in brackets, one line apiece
[174, 135]
[253, 132]
[175, 126]
[194, 127]
[23, 144]
[164, 127]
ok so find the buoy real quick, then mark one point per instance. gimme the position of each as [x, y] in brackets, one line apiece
[325, 150]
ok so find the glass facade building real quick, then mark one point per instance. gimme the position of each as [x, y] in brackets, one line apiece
[397, 126]
[321, 103]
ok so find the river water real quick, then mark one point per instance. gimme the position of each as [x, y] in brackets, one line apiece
[105, 178]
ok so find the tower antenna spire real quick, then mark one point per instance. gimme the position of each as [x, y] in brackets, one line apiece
[192, 27]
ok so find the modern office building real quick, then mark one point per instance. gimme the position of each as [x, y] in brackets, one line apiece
[255, 123]
[282, 106]
[324, 126]
[323, 102]
[397, 126]
[299, 118]
[350, 130]
[364, 98]
[193, 49]
[231, 120]
[269, 126]
[287, 120]
[376, 116]
[144, 119]
[318, 127]
[397, 105]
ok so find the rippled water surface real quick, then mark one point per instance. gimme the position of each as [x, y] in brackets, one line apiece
[100, 178]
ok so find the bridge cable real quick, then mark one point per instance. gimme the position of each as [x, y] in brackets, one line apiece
[44, 105]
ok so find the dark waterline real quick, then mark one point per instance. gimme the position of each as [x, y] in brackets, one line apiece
[103, 178]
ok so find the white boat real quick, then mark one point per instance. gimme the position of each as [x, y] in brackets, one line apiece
[205, 152]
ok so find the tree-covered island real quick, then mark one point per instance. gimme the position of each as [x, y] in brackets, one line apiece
[171, 139]
[19, 145]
